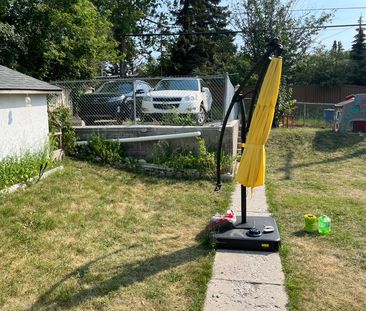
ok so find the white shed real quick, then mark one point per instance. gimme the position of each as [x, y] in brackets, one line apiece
[23, 113]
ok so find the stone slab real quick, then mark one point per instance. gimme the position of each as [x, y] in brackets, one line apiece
[257, 267]
[244, 280]
[256, 201]
[243, 296]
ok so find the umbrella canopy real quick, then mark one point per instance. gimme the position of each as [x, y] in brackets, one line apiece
[251, 171]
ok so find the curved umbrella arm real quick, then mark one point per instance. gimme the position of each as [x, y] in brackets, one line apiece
[273, 46]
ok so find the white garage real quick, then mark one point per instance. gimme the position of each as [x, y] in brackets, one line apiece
[23, 113]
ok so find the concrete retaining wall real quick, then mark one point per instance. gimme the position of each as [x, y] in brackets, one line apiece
[210, 133]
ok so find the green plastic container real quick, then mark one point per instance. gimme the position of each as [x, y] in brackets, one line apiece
[310, 223]
[324, 224]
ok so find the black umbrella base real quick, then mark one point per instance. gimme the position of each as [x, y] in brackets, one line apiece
[259, 233]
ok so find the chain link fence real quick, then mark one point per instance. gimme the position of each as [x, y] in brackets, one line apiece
[314, 114]
[157, 101]
[305, 115]
[165, 101]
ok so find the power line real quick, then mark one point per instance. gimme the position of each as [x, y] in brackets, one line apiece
[233, 32]
[336, 34]
[314, 9]
[330, 9]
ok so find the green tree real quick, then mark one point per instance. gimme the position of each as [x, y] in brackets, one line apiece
[128, 17]
[261, 20]
[202, 54]
[11, 45]
[63, 39]
[11, 42]
[358, 57]
[323, 67]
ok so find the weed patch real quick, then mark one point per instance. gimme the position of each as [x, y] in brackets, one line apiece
[19, 169]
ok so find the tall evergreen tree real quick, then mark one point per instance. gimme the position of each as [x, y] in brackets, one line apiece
[203, 54]
[335, 46]
[358, 57]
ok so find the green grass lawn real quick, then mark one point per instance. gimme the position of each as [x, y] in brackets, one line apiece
[317, 171]
[97, 238]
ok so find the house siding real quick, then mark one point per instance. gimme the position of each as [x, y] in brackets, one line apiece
[22, 128]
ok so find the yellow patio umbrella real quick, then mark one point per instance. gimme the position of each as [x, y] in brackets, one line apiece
[251, 171]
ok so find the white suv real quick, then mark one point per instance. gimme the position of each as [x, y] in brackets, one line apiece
[179, 95]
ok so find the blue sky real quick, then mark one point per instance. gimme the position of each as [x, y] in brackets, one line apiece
[341, 16]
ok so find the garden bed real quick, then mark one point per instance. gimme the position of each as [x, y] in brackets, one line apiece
[163, 159]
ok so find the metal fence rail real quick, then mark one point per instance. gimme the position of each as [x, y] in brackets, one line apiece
[312, 114]
[304, 115]
[160, 101]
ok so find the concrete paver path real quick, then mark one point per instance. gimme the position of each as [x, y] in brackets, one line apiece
[246, 280]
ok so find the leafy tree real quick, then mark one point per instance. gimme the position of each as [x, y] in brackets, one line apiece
[323, 67]
[11, 42]
[264, 19]
[11, 45]
[85, 40]
[358, 57]
[202, 54]
[128, 17]
[63, 39]
[286, 104]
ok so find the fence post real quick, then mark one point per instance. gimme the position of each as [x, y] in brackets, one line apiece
[304, 113]
[134, 101]
[226, 75]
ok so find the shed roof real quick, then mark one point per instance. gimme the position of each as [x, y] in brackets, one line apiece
[11, 80]
[351, 98]
[345, 102]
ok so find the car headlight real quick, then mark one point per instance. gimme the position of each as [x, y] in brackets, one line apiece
[189, 98]
[147, 99]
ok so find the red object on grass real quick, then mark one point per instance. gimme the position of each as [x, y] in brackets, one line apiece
[222, 221]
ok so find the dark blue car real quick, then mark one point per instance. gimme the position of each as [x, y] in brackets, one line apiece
[112, 101]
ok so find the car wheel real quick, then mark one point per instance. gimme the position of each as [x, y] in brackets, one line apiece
[201, 116]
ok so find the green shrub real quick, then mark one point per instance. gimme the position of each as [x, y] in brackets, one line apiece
[174, 118]
[160, 152]
[201, 159]
[99, 149]
[286, 104]
[19, 169]
[60, 119]
[111, 152]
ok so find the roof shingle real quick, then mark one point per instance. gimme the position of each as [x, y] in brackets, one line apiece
[13, 80]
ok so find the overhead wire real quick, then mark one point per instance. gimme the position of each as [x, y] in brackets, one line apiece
[234, 32]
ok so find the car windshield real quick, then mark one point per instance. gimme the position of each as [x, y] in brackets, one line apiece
[116, 87]
[191, 85]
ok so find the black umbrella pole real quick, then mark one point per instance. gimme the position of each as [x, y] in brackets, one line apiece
[243, 204]
[243, 134]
